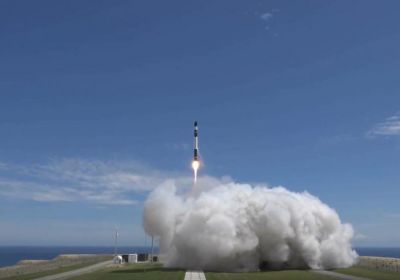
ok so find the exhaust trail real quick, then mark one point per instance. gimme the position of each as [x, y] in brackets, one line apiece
[227, 226]
[231, 226]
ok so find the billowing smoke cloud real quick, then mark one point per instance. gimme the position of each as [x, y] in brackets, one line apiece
[238, 227]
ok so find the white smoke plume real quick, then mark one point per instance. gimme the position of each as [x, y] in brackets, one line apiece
[238, 227]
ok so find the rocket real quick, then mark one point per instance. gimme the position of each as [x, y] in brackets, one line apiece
[196, 143]
[196, 162]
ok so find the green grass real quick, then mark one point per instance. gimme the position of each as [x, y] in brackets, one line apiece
[268, 275]
[370, 273]
[157, 272]
[134, 272]
[50, 272]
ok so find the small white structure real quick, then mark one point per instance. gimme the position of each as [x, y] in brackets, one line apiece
[132, 258]
[118, 260]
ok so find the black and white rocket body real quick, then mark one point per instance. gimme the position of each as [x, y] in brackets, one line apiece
[196, 142]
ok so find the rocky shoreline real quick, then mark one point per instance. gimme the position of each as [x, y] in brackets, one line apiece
[380, 263]
[34, 266]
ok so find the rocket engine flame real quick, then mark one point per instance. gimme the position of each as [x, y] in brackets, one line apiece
[195, 166]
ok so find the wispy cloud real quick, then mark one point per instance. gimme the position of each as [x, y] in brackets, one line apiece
[70, 180]
[392, 215]
[359, 236]
[267, 17]
[389, 127]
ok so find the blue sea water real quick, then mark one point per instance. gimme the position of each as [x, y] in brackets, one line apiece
[379, 252]
[10, 255]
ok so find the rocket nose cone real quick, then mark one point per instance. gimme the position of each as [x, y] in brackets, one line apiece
[195, 123]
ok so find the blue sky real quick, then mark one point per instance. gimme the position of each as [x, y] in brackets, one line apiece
[98, 100]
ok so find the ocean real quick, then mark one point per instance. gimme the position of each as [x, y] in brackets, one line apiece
[10, 255]
[379, 252]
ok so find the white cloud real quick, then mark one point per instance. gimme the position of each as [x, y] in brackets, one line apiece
[359, 236]
[266, 16]
[389, 127]
[70, 180]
